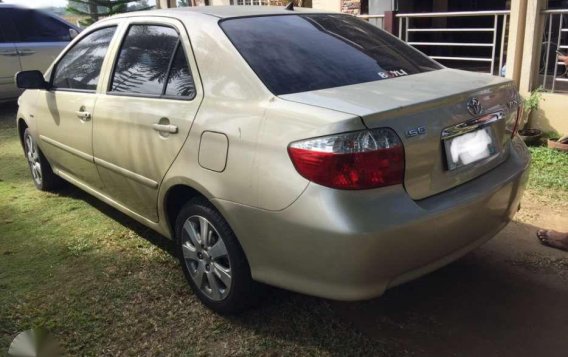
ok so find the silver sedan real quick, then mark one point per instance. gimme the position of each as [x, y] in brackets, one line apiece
[29, 39]
[306, 150]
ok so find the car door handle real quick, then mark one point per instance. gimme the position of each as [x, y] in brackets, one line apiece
[26, 52]
[168, 128]
[83, 115]
[9, 53]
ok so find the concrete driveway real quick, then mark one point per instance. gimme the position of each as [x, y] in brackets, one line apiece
[508, 298]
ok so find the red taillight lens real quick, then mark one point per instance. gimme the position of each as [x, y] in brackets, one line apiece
[351, 161]
[514, 121]
[519, 117]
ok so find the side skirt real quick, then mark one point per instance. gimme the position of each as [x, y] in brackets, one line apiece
[141, 219]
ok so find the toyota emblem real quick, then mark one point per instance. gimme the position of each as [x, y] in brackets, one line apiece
[474, 106]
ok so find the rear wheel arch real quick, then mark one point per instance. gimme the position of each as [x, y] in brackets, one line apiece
[174, 200]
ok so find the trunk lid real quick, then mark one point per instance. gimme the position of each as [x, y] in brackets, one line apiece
[420, 108]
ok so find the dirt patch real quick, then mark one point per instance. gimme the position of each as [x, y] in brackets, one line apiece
[508, 298]
[542, 210]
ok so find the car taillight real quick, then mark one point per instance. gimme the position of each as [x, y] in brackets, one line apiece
[351, 161]
[515, 118]
[518, 118]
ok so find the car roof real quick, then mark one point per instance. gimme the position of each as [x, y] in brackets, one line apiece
[43, 11]
[222, 12]
[14, 6]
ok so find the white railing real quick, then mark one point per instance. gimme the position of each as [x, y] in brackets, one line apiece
[406, 31]
[555, 38]
[377, 20]
[259, 2]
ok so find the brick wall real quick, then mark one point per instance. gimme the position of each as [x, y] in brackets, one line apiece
[351, 7]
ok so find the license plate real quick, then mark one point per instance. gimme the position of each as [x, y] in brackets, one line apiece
[469, 148]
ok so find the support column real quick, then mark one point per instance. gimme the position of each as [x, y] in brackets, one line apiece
[531, 48]
[165, 4]
[352, 7]
[516, 40]
[390, 24]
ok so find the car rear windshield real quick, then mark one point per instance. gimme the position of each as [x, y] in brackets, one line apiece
[298, 53]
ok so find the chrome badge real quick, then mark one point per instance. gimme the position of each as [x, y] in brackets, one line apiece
[415, 131]
[474, 106]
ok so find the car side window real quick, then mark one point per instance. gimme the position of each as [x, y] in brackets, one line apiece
[80, 67]
[152, 62]
[7, 29]
[180, 80]
[144, 59]
[34, 26]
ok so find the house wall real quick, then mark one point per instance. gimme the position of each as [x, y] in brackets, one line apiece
[352, 7]
[551, 115]
[377, 7]
[328, 5]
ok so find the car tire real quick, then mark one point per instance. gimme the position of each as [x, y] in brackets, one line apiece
[42, 175]
[215, 266]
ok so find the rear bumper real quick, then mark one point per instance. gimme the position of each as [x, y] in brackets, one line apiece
[352, 245]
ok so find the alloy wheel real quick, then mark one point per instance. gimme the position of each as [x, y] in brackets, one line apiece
[206, 258]
[32, 155]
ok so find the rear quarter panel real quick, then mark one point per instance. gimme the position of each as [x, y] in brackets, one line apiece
[258, 125]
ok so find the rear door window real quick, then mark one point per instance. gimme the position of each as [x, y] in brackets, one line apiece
[298, 53]
[144, 60]
[152, 62]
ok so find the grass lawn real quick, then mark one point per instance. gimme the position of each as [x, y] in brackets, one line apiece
[549, 170]
[104, 284]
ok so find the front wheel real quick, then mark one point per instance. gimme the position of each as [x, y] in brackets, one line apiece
[212, 259]
[42, 174]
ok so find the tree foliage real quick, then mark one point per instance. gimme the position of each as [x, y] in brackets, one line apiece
[93, 10]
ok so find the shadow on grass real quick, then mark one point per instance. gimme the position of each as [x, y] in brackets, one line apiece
[487, 303]
[282, 315]
[8, 115]
[148, 234]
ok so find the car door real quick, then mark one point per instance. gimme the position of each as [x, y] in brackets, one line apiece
[65, 120]
[9, 61]
[144, 118]
[41, 38]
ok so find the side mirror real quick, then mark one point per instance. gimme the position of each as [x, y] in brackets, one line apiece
[73, 33]
[30, 80]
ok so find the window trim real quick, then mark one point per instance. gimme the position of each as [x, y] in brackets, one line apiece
[53, 70]
[108, 90]
[179, 46]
